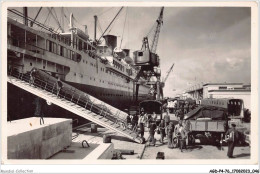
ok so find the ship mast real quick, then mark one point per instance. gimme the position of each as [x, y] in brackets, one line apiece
[25, 13]
[95, 28]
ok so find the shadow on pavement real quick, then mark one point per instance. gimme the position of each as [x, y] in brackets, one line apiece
[242, 155]
[192, 148]
[121, 138]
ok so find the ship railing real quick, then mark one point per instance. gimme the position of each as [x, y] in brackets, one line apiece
[70, 94]
[21, 44]
[20, 16]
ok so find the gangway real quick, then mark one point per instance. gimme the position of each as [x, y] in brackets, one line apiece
[84, 105]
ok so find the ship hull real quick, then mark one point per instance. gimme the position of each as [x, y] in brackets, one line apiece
[119, 99]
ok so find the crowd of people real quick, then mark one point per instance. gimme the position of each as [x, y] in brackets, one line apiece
[175, 134]
[183, 109]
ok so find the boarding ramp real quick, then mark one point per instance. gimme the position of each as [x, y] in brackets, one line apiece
[76, 101]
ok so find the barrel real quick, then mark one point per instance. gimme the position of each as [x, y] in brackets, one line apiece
[106, 139]
[93, 128]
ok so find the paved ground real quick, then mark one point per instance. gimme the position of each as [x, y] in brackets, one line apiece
[196, 151]
[119, 141]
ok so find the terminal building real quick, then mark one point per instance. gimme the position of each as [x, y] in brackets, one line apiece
[220, 90]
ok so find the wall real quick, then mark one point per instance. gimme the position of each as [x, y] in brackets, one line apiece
[244, 95]
[27, 139]
[209, 87]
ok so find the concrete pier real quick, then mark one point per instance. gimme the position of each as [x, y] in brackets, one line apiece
[27, 139]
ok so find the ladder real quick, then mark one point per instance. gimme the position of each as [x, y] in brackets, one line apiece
[103, 118]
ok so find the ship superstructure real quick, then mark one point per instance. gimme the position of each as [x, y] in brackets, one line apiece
[96, 69]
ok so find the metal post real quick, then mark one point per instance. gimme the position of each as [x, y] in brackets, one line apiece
[72, 96]
[78, 98]
[86, 103]
[65, 94]
[92, 104]
[45, 85]
[106, 112]
[53, 87]
[23, 62]
[102, 109]
[21, 76]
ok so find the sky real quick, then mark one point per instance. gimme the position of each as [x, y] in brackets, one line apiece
[206, 44]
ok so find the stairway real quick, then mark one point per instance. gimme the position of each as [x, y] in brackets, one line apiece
[71, 106]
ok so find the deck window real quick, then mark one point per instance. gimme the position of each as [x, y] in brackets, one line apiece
[80, 44]
[61, 49]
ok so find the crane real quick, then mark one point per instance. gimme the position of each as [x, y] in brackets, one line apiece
[162, 84]
[167, 74]
[157, 32]
[149, 62]
[155, 39]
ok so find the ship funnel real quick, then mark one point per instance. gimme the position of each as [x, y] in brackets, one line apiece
[111, 41]
[127, 52]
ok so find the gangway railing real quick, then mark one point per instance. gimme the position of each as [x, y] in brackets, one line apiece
[75, 101]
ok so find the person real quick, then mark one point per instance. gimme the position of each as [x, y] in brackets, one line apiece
[233, 137]
[152, 127]
[149, 118]
[141, 124]
[32, 76]
[182, 137]
[134, 121]
[128, 120]
[176, 128]
[180, 134]
[166, 120]
[186, 107]
[190, 107]
[181, 114]
[162, 130]
[177, 133]
[145, 119]
[170, 129]
[177, 113]
[187, 129]
[59, 86]
[154, 117]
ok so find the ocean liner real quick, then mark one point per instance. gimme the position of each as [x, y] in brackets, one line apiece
[100, 69]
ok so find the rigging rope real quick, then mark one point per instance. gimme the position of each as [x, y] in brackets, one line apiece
[99, 25]
[47, 17]
[100, 14]
[111, 23]
[123, 28]
[54, 17]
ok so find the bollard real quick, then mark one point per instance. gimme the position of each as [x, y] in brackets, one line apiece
[93, 128]
[160, 155]
[106, 139]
